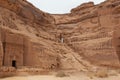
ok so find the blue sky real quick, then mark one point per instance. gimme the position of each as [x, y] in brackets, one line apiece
[59, 6]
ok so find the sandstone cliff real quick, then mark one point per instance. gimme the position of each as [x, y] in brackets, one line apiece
[28, 37]
[92, 31]
[86, 36]
[25, 35]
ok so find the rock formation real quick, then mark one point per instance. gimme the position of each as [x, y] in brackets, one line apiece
[93, 31]
[87, 36]
[25, 38]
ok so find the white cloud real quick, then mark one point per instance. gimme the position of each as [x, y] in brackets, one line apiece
[59, 6]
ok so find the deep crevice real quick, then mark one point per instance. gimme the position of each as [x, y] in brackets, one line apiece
[4, 46]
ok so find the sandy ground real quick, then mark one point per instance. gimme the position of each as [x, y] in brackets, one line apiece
[52, 77]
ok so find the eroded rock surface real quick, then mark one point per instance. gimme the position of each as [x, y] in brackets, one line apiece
[25, 36]
[87, 36]
[93, 31]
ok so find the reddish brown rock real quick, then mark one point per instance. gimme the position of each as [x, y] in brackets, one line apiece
[24, 36]
[93, 32]
[87, 36]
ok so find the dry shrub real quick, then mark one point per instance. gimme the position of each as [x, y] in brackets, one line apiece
[61, 74]
[118, 70]
[113, 73]
[90, 75]
[101, 73]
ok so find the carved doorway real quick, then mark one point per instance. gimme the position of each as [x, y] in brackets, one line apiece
[14, 63]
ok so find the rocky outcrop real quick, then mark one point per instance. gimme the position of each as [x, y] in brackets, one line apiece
[92, 31]
[27, 11]
[82, 9]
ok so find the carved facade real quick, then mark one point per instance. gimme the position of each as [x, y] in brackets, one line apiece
[18, 51]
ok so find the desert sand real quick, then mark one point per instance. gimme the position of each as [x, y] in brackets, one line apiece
[52, 77]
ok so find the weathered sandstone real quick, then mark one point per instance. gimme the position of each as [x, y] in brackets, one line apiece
[92, 31]
[88, 36]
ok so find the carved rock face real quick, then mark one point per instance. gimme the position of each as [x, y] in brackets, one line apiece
[23, 32]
